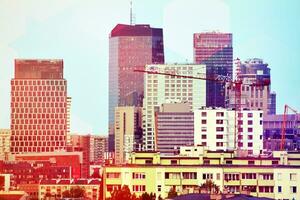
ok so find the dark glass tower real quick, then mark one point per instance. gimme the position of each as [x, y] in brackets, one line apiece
[215, 51]
[130, 47]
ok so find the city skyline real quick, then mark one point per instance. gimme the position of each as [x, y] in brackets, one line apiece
[85, 53]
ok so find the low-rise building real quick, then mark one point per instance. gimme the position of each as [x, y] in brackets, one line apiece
[56, 187]
[273, 176]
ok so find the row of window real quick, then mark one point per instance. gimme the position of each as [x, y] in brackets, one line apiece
[37, 138]
[39, 127]
[38, 149]
[39, 121]
[39, 143]
[38, 88]
[43, 116]
[39, 132]
[38, 82]
[31, 94]
[38, 98]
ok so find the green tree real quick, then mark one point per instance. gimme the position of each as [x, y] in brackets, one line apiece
[146, 196]
[74, 192]
[172, 193]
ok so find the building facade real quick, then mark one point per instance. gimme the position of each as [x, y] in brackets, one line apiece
[56, 187]
[128, 132]
[99, 145]
[276, 176]
[130, 47]
[272, 125]
[160, 89]
[255, 91]
[38, 106]
[175, 128]
[214, 49]
[5, 144]
[215, 128]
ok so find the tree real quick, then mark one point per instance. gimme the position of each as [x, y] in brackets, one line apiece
[74, 192]
[123, 193]
[172, 193]
[210, 187]
[160, 198]
[146, 196]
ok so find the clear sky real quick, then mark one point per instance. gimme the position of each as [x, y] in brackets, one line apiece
[77, 31]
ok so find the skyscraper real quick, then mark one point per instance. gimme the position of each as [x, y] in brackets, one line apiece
[160, 89]
[214, 49]
[255, 92]
[38, 106]
[130, 47]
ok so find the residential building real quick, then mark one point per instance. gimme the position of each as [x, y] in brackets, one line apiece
[130, 47]
[273, 176]
[215, 128]
[38, 106]
[128, 132]
[214, 49]
[255, 91]
[5, 135]
[272, 131]
[160, 89]
[98, 147]
[175, 128]
[56, 187]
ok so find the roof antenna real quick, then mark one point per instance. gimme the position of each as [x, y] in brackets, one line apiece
[131, 12]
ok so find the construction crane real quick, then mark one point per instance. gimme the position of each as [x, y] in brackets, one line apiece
[235, 84]
[283, 126]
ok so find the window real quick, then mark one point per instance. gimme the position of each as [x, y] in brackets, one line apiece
[274, 162]
[219, 136]
[293, 189]
[279, 189]
[203, 129]
[250, 122]
[203, 137]
[159, 188]
[206, 176]
[250, 162]
[219, 121]
[219, 129]
[219, 144]
[172, 175]
[250, 144]
[173, 162]
[232, 177]
[138, 175]
[266, 176]
[220, 114]
[250, 137]
[148, 162]
[189, 175]
[113, 175]
[250, 115]
[203, 114]
[139, 188]
[293, 176]
[248, 175]
[203, 121]
[250, 130]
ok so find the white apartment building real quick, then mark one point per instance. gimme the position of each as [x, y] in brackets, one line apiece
[159, 89]
[215, 128]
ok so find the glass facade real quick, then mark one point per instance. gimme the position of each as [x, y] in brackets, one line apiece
[215, 51]
[130, 47]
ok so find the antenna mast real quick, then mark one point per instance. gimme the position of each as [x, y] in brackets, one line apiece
[131, 16]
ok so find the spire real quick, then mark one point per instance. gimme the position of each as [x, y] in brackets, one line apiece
[131, 12]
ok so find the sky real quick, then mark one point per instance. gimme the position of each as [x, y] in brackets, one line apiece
[77, 31]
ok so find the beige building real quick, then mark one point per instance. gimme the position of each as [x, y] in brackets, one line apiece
[275, 176]
[128, 132]
[4, 144]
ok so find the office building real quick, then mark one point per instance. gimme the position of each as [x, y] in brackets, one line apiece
[130, 47]
[5, 144]
[215, 128]
[160, 89]
[272, 129]
[175, 128]
[38, 106]
[274, 176]
[128, 132]
[214, 49]
[255, 91]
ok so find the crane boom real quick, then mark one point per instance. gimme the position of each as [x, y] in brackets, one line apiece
[283, 126]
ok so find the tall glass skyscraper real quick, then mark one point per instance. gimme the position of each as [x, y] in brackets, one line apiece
[214, 49]
[130, 47]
